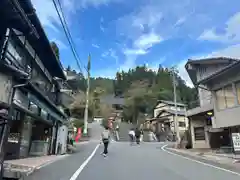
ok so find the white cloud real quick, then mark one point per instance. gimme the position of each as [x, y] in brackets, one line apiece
[96, 46]
[155, 64]
[113, 54]
[129, 62]
[209, 34]
[47, 13]
[134, 52]
[231, 35]
[230, 51]
[140, 46]
[110, 53]
[74, 5]
[146, 41]
[134, 24]
[95, 3]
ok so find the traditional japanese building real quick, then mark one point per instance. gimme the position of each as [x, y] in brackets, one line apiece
[28, 89]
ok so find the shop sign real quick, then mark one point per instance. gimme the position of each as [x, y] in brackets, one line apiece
[236, 141]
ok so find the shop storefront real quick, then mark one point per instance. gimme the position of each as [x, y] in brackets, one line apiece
[33, 129]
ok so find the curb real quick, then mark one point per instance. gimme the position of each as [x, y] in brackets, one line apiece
[18, 171]
[203, 160]
[81, 143]
[202, 157]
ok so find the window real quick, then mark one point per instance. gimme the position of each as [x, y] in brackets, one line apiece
[14, 55]
[199, 133]
[225, 97]
[17, 55]
[181, 124]
[238, 91]
[202, 71]
[220, 99]
[229, 96]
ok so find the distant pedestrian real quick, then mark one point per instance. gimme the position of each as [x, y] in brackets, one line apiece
[137, 135]
[105, 139]
[131, 134]
[141, 136]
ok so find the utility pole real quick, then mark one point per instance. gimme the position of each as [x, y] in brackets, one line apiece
[176, 126]
[85, 130]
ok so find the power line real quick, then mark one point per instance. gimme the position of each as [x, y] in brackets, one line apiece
[67, 33]
[70, 37]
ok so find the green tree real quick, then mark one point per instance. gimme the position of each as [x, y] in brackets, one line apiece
[142, 88]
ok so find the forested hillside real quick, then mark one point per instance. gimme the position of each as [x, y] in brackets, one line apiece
[141, 89]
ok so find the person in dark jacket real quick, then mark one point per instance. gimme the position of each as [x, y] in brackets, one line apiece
[137, 135]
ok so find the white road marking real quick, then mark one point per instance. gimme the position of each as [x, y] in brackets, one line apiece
[199, 162]
[79, 170]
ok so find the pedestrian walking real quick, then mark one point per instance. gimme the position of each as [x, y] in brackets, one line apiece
[137, 135]
[131, 134]
[141, 136]
[105, 139]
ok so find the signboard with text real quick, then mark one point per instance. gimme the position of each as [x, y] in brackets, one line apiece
[236, 142]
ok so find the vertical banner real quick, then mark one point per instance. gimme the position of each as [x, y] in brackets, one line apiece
[79, 134]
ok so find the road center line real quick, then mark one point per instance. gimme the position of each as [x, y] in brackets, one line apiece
[199, 162]
[79, 170]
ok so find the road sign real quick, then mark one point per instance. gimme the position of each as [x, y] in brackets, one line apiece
[236, 141]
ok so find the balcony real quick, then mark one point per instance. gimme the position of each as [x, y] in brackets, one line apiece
[52, 96]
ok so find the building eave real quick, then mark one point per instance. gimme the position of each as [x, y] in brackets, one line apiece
[38, 40]
[223, 72]
[42, 96]
[214, 60]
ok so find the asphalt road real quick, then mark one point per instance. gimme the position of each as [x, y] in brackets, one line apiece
[147, 161]
[125, 162]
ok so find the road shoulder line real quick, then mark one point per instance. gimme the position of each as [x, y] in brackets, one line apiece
[79, 170]
[163, 148]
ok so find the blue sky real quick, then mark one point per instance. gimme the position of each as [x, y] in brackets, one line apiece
[120, 34]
